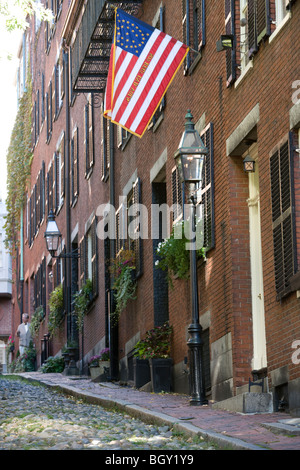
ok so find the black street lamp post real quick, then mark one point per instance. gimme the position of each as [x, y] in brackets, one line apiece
[190, 158]
[53, 239]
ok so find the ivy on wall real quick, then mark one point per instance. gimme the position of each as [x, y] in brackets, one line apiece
[18, 159]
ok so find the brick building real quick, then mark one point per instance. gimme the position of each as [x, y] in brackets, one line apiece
[245, 100]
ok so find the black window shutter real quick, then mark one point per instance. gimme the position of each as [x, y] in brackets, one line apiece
[62, 165]
[82, 251]
[252, 28]
[137, 245]
[43, 192]
[283, 217]
[55, 181]
[95, 277]
[201, 30]
[177, 195]
[43, 99]
[86, 136]
[74, 165]
[208, 190]
[91, 131]
[43, 282]
[119, 228]
[263, 19]
[230, 53]
[50, 109]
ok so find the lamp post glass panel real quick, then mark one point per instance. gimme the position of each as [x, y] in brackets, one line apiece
[190, 157]
[249, 164]
[52, 234]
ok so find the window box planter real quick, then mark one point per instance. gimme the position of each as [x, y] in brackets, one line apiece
[100, 373]
[161, 374]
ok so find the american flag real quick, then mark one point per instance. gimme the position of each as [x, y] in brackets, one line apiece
[143, 62]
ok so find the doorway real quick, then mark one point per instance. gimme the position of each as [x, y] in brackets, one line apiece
[259, 360]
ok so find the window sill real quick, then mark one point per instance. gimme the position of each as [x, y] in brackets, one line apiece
[281, 25]
[248, 67]
[190, 70]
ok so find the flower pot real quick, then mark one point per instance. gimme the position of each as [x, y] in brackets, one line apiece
[100, 373]
[161, 374]
[141, 371]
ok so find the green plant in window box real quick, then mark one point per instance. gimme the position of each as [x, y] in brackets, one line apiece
[122, 269]
[82, 302]
[157, 343]
[56, 314]
[35, 321]
[174, 257]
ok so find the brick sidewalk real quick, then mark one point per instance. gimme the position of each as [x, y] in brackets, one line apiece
[228, 429]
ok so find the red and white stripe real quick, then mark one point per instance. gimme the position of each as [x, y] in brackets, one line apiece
[135, 114]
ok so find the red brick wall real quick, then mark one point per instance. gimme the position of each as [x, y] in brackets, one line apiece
[224, 280]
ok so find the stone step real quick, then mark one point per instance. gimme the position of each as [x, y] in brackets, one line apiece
[247, 402]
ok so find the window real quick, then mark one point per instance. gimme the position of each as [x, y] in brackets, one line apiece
[89, 257]
[36, 205]
[58, 87]
[123, 136]
[244, 35]
[49, 111]
[283, 217]
[206, 208]
[230, 54]
[43, 99]
[193, 22]
[50, 187]
[280, 11]
[59, 159]
[47, 31]
[129, 225]
[56, 178]
[158, 116]
[40, 287]
[106, 130]
[58, 272]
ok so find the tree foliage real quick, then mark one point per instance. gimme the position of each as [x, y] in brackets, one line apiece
[15, 13]
[18, 159]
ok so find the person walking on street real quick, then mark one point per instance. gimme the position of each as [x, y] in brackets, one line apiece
[23, 333]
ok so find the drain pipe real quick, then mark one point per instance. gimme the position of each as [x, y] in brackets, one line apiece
[113, 328]
[21, 265]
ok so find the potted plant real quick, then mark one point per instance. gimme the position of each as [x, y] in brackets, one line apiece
[156, 348]
[82, 302]
[174, 257]
[56, 313]
[99, 365]
[123, 271]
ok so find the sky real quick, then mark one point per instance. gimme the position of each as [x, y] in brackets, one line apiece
[9, 44]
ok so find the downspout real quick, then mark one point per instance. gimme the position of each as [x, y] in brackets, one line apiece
[113, 330]
[21, 264]
[72, 333]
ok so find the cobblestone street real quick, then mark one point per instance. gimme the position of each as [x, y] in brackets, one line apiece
[33, 417]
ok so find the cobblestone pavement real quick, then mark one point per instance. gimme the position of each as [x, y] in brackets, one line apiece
[33, 417]
[229, 430]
